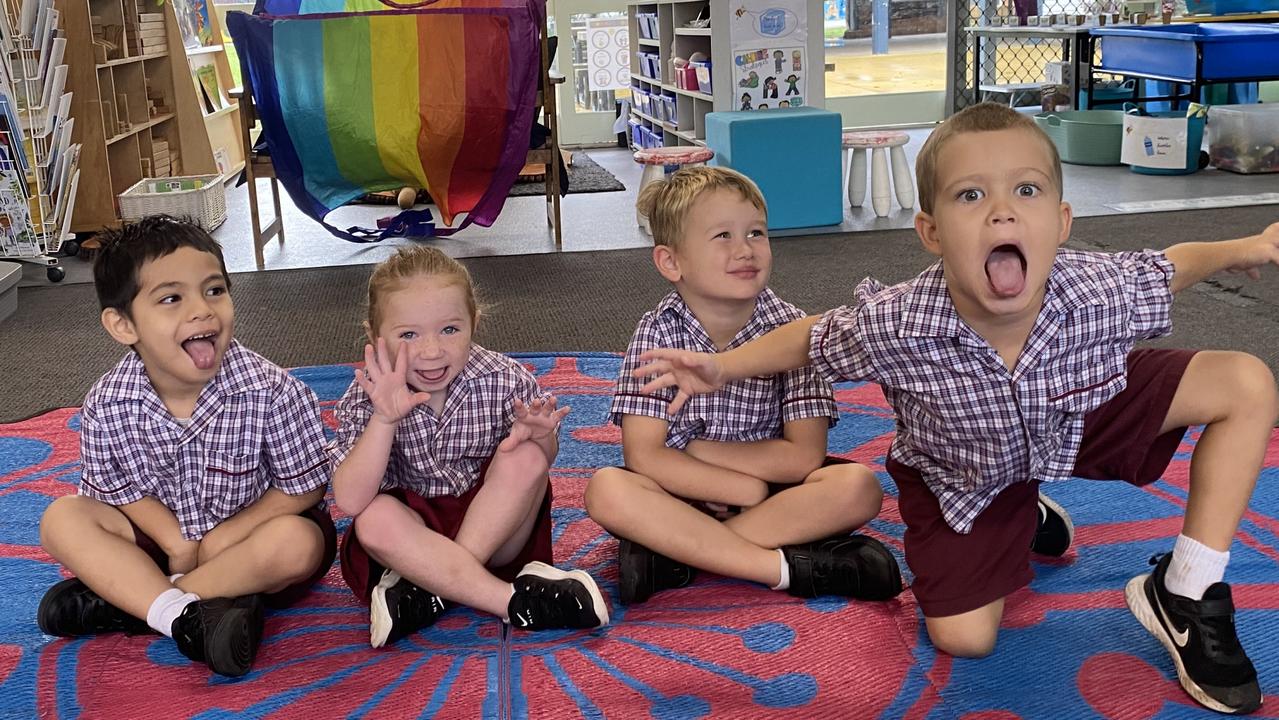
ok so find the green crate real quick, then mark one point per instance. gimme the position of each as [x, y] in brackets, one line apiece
[1085, 137]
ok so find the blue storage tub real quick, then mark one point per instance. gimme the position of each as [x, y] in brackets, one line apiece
[1194, 145]
[1228, 7]
[1229, 50]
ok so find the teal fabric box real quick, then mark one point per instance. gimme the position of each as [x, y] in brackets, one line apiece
[792, 154]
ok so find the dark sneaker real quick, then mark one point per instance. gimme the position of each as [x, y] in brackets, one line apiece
[223, 633]
[398, 608]
[1054, 531]
[642, 572]
[850, 565]
[1200, 636]
[548, 598]
[71, 609]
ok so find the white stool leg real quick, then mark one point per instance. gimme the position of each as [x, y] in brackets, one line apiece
[652, 173]
[902, 181]
[857, 178]
[879, 196]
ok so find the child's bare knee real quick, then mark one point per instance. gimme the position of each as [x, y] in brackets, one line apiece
[65, 517]
[966, 640]
[1256, 385]
[376, 526]
[603, 491]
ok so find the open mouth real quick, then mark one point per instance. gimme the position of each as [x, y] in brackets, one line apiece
[201, 349]
[1006, 271]
[430, 377]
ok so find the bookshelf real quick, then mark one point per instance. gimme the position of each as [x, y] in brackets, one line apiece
[222, 116]
[134, 102]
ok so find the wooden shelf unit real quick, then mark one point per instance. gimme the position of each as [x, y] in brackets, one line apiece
[222, 125]
[118, 123]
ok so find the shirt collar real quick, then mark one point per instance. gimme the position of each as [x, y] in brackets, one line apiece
[768, 309]
[239, 373]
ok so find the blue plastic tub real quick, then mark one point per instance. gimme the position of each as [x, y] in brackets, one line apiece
[1228, 7]
[1229, 50]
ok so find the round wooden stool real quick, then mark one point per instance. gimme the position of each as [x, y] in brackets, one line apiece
[878, 142]
[655, 162]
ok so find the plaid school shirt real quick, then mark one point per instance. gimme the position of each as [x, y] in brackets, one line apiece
[969, 425]
[747, 410]
[254, 427]
[443, 455]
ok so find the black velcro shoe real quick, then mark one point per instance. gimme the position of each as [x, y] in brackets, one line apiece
[398, 608]
[853, 566]
[71, 609]
[1200, 637]
[547, 598]
[642, 572]
[1053, 531]
[223, 633]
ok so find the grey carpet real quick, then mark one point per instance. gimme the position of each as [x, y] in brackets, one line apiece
[54, 348]
[584, 176]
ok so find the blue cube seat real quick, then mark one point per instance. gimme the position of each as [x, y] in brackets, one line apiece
[793, 154]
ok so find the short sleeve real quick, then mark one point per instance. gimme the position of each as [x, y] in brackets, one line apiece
[805, 394]
[294, 441]
[525, 389]
[101, 476]
[837, 348]
[1147, 278]
[627, 398]
[353, 413]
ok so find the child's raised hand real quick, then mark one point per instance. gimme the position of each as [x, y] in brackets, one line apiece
[535, 421]
[1255, 251]
[692, 372]
[384, 379]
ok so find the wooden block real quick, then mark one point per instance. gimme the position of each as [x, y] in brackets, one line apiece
[151, 25]
[146, 167]
[142, 33]
[151, 17]
[149, 42]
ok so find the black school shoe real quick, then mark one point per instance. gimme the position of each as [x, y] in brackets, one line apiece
[642, 572]
[1200, 637]
[398, 608]
[1053, 531]
[854, 566]
[71, 609]
[547, 598]
[223, 633]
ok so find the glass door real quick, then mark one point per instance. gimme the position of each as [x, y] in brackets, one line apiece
[594, 57]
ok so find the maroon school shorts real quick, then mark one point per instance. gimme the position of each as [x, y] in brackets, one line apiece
[956, 573]
[289, 595]
[444, 515]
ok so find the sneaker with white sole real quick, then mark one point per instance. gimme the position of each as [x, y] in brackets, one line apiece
[1200, 637]
[398, 608]
[547, 598]
[1053, 531]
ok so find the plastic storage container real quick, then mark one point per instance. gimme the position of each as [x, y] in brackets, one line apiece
[703, 70]
[1228, 7]
[1085, 137]
[1108, 95]
[1244, 138]
[1227, 51]
[1194, 145]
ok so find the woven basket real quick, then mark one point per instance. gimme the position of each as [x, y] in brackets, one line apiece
[205, 204]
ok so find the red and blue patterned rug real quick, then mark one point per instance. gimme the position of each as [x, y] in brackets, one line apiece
[721, 648]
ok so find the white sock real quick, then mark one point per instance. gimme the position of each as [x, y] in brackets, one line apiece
[1193, 568]
[173, 579]
[785, 574]
[166, 608]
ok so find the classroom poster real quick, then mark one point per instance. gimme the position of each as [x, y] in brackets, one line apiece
[608, 54]
[769, 41]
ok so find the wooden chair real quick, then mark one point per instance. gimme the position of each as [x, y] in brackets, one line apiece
[259, 165]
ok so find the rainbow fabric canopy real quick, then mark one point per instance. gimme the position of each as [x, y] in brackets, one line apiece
[356, 96]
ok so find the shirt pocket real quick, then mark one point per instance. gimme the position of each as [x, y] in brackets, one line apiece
[231, 483]
[1087, 385]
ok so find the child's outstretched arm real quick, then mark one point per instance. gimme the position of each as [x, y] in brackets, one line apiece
[785, 348]
[537, 422]
[359, 476]
[1195, 261]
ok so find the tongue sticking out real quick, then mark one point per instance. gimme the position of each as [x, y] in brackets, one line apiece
[1006, 271]
[201, 352]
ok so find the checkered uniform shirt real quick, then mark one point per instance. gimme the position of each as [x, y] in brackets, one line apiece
[443, 455]
[964, 421]
[747, 410]
[254, 427]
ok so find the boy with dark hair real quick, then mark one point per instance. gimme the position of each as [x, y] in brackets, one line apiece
[1010, 362]
[204, 468]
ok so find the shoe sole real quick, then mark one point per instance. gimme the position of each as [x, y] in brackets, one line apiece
[233, 646]
[1140, 605]
[1065, 518]
[380, 622]
[543, 570]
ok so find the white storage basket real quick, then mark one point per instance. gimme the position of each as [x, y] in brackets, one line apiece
[199, 197]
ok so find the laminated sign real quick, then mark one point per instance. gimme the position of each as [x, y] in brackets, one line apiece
[1154, 142]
